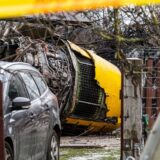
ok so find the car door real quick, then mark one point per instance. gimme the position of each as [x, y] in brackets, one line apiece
[41, 126]
[20, 121]
[46, 103]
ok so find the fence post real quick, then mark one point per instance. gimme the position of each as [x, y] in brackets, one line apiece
[2, 157]
[132, 111]
[149, 90]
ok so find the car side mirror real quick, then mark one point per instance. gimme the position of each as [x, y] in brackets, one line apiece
[21, 103]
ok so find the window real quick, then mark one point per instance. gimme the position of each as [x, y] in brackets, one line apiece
[16, 88]
[40, 82]
[30, 85]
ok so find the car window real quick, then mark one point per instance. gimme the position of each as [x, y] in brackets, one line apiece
[40, 82]
[16, 88]
[30, 85]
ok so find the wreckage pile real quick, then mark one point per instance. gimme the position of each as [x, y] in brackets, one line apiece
[49, 59]
[70, 72]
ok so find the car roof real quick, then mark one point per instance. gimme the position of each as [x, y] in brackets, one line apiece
[16, 66]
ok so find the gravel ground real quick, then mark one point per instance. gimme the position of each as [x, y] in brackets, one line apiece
[91, 141]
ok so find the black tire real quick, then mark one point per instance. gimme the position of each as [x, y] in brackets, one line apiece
[53, 148]
[8, 152]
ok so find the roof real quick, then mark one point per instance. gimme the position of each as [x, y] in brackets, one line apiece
[62, 16]
[71, 16]
[16, 66]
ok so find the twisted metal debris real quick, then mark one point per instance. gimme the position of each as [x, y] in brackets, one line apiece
[65, 68]
[51, 61]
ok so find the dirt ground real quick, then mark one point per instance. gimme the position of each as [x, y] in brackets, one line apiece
[90, 148]
[91, 141]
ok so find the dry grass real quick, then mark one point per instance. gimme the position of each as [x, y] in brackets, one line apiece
[89, 154]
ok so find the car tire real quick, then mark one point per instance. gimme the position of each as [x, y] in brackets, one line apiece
[8, 152]
[53, 149]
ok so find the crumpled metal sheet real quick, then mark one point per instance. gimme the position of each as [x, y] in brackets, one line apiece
[51, 61]
[108, 77]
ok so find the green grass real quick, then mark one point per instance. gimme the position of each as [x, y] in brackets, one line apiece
[89, 154]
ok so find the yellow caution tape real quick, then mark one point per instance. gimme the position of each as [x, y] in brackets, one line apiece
[13, 8]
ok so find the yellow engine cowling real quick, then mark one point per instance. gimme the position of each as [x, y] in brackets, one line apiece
[108, 77]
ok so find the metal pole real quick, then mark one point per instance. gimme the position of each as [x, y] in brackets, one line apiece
[149, 90]
[158, 87]
[2, 155]
[122, 91]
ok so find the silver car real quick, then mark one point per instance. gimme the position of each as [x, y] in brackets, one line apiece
[31, 114]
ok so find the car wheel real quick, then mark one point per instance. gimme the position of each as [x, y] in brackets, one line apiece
[8, 152]
[53, 149]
